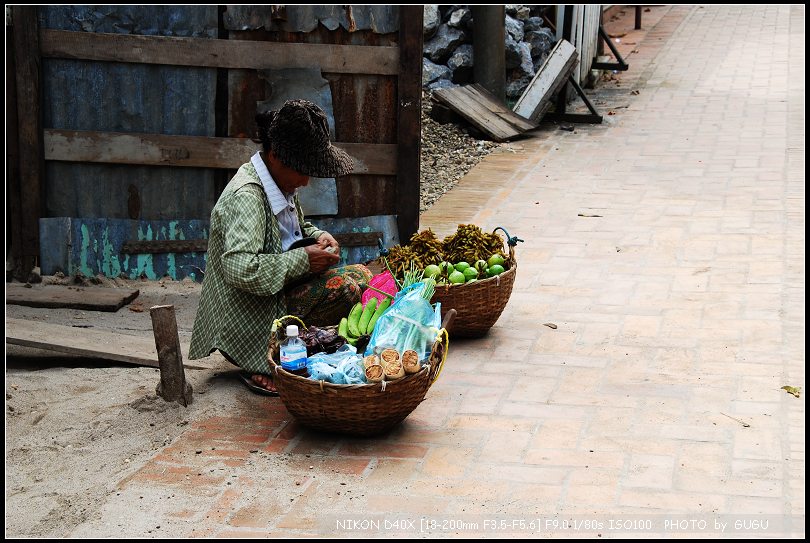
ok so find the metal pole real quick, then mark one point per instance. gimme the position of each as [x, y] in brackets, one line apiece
[638, 17]
[489, 52]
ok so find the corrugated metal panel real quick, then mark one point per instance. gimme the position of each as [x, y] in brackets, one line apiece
[380, 19]
[104, 96]
[93, 246]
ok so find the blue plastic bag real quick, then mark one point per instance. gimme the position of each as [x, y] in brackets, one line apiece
[343, 367]
[410, 323]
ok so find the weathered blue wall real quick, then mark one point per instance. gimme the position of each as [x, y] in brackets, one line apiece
[125, 97]
[93, 246]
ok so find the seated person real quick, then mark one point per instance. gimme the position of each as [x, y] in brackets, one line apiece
[254, 273]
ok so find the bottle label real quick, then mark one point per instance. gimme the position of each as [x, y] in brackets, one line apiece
[293, 358]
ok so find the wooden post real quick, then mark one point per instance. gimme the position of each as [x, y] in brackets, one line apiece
[13, 216]
[409, 120]
[489, 53]
[30, 149]
[172, 386]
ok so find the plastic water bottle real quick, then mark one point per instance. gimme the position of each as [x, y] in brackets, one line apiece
[293, 352]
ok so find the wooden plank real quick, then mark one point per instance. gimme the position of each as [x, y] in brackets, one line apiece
[53, 296]
[29, 130]
[358, 239]
[214, 53]
[143, 247]
[86, 342]
[353, 239]
[190, 151]
[487, 99]
[462, 102]
[554, 72]
[409, 119]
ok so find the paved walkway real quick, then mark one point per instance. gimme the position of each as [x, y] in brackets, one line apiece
[679, 313]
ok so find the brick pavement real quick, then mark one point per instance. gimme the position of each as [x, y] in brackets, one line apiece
[678, 308]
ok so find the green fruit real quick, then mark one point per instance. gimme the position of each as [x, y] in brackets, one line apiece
[432, 271]
[497, 269]
[470, 274]
[457, 277]
[343, 328]
[368, 312]
[446, 268]
[481, 267]
[494, 260]
[461, 266]
[354, 320]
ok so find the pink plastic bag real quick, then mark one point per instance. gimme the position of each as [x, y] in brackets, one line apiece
[384, 282]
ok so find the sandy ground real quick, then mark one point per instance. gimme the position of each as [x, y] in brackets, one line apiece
[76, 426]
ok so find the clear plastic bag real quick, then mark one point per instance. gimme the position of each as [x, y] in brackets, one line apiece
[410, 323]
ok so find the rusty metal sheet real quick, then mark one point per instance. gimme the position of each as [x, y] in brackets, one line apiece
[136, 98]
[382, 19]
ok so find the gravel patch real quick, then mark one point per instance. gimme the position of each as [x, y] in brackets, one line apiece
[448, 153]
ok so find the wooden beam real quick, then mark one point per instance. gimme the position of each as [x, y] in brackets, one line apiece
[29, 130]
[409, 119]
[190, 151]
[165, 246]
[350, 239]
[214, 53]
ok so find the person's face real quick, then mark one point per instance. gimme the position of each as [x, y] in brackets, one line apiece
[286, 178]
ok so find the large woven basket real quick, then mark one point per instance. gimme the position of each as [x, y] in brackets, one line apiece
[359, 410]
[480, 303]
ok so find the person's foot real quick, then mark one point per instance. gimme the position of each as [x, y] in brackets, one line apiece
[265, 382]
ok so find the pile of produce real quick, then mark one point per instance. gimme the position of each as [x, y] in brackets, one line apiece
[467, 255]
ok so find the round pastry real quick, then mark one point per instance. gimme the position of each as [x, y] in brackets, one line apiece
[410, 361]
[374, 373]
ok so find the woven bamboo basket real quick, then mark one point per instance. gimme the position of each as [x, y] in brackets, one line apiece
[479, 304]
[359, 410]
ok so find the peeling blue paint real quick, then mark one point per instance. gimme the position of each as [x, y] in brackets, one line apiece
[99, 244]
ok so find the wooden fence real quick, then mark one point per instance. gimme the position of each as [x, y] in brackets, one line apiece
[375, 83]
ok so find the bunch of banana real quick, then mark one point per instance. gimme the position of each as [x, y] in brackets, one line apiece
[361, 320]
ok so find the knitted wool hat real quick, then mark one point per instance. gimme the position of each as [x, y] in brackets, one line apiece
[298, 135]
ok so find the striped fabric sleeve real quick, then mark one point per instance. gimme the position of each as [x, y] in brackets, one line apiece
[244, 264]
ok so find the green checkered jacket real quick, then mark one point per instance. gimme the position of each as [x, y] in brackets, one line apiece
[243, 289]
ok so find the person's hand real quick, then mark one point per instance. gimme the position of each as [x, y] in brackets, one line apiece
[326, 240]
[320, 260]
